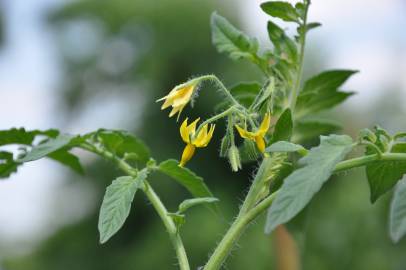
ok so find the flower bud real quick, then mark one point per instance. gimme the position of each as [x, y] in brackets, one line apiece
[234, 158]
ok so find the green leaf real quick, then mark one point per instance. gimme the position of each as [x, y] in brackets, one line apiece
[249, 151]
[397, 217]
[285, 47]
[68, 159]
[310, 128]
[383, 175]
[122, 142]
[193, 183]
[186, 204]
[283, 128]
[21, 136]
[117, 204]
[47, 148]
[281, 10]
[7, 164]
[284, 146]
[300, 186]
[321, 92]
[232, 41]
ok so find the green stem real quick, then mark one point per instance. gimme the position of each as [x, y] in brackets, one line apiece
[222, 87]
[217, 117]
[365, 160]
[235, 231]
[302, 43]
[155, 201]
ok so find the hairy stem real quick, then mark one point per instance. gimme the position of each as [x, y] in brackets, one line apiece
[223, 88]
[365, 160]
[302, 43]
[155, 201]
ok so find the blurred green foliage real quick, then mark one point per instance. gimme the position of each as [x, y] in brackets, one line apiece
[149, 47]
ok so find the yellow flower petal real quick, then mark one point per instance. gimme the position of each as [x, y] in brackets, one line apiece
[178, 98]
[203, 138]
[244, 133]
[188, 131]
[266, 122]
[187, 154]
[259, 140]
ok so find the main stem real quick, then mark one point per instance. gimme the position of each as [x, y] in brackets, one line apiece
[155, 201]
[302, 43]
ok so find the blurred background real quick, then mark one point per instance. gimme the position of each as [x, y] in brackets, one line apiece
[84, 64]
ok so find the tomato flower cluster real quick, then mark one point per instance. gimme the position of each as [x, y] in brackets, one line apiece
[199, 137]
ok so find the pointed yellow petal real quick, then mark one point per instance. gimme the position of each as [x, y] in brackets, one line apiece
[184, 132]
[260, 143]
[244, 133]
[175, 110]
[200, 137]
[266, 122]
[187, 154]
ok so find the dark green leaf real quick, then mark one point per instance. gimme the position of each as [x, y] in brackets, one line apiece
[117, 204]
[300, 186]
[397, 217]
[7, 164]
[193, 183]
[281, 10]
[121, 142]
[383, 175]
[21, 136]
[327, 80]
[68, 159]
[47, 148]
[321, 92]
[186, 204]
[310, 128]
[283, 128]
[232, 41]
[285, 47]
[308, 27]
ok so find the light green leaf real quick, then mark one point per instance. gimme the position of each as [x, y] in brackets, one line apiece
[117, 204]
[300, 186]
[232, 41]
[47, 148]
[121, 142]
[193, 183]
[186, 204]
[331, 79]
[281, 10]
[283, 128]
[284, 146]
[68, 159]
[397, 217]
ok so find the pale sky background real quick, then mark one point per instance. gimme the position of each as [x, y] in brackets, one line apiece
[368, 35]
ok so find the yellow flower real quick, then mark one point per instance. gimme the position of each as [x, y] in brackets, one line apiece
[257, 136]
[193, 140]
[179, 97]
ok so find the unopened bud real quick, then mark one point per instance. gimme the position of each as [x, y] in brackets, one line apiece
[234, 158]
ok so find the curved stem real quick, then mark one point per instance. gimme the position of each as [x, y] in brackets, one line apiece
[217, 117]
[223, 88]
[155, 201]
